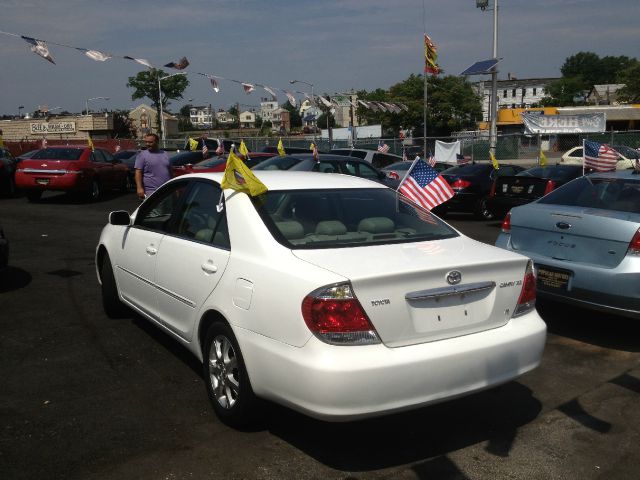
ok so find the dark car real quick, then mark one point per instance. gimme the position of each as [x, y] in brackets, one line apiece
[471, 184]
[4, 250]
[374, 157]
[212, 144]
[274, 149]
[7, 172]
[78, 169]
[398, 170]
[511, 191]
[182, 162]
[328, 164]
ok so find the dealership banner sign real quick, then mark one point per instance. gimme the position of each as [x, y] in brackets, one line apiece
[550, 124]
[53, 127]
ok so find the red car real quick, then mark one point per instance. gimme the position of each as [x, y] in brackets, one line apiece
[216, 164]
[73, 169]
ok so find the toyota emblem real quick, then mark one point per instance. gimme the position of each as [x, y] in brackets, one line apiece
[454, 277]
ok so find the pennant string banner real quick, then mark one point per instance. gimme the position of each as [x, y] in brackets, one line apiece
[40, 47]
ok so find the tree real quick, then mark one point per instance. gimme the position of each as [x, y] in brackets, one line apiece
[588, 69]
[122, 127]
[631, 79]
[146, 85]
[235, 114]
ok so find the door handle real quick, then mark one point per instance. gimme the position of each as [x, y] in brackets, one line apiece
[209, 267]
[151, 250]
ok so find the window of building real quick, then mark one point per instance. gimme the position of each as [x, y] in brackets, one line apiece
[513, 92]
[504, 94]
[534, 90]
[524, 92]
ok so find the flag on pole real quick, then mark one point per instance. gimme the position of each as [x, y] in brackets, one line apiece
[383, 147]
[214, 83]
[248, 88]
[430, 56]
[314, 151]
[292, 99]
[244, 151]
[141, 61]
[95, 55]
[431, 161]
[90, 144]
[494, 161]
[462, 159]
[179, 65]
[205, 149]
[598, 156]
[543, 158]
[424, 186]
[193, 144]
[237, 176]
[281, 150]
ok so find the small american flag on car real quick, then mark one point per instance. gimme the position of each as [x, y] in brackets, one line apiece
[424, 186]
[462, 159]
[383, 147]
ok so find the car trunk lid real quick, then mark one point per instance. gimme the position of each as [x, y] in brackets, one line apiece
[520, 187]
[405, 292]
[47, 167]
[573, 234]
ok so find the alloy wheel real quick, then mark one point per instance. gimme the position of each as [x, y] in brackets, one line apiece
[223, 372]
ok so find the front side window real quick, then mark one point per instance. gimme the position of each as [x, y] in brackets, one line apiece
[199, 218]
[158, 212]
[346, 218]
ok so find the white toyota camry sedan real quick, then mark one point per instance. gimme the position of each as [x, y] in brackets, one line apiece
[330, 294]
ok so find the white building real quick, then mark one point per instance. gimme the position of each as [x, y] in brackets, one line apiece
[345, 111]
[224, 118]
[513, 93]
[247, 119]
[201, 116]
[267, 109]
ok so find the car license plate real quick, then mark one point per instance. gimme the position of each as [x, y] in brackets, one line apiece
[552, 278]
[42, 181]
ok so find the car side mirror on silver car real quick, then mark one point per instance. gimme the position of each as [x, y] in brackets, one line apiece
[120, 217]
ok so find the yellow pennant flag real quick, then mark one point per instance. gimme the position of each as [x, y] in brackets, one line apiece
[281, 150]
[244, 151]
[494, 162]
[90, 144]
[312, 146]
[193, 144]
[238, 176]
[1, 140]
[543, 159]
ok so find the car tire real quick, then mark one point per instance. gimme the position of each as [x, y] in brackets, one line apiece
[482, 210]
[94, 190]
[34, 195]
[226, 377]
[111, 303]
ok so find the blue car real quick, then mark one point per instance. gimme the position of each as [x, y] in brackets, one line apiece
[584, 240]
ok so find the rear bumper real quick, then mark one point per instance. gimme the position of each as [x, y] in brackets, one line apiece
[611, 290]
[345, 383]
[500, 206]
[37, 181]
[462, 202]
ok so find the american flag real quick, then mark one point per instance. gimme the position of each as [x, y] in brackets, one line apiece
[462, 159]
[220, 149]
[205, 149]
[431, 161]
[383, 147]
[425, 187]
[599, 157]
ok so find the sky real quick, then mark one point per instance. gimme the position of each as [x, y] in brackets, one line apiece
[337, 45]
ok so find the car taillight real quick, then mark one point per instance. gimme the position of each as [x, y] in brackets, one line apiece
[634, 244]
[492, 192]
[506, 223]
[460, 184]
[335, 316]
[73, 169]
[549, 187]
[527, 299]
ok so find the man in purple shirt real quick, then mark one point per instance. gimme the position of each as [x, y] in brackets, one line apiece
[152, 167]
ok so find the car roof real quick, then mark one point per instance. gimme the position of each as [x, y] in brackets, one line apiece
[628, 173]
[326, 157]
[296, 180]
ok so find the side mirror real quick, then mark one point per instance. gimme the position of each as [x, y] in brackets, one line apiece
[120, 217]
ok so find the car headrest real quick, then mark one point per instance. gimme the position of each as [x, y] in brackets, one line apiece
[291, 229]
[376, 225]
[331, 227]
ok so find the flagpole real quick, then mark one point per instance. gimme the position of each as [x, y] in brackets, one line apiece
[424, 107]
[413, 164]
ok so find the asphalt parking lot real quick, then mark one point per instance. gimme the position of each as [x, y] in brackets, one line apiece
[86, 397]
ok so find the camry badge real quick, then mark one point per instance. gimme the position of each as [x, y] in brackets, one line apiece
[43, 165]
[454, 277]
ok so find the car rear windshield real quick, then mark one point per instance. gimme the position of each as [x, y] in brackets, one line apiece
[556, 173]
[621, 194]
[59, 154]
[469, 169]
[312, 219]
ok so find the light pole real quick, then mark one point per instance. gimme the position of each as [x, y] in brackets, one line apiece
[162, 133]
[493, 107]
[90, 99]
[312, 101]
[20, 108]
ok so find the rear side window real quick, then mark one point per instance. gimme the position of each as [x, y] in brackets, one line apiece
[199, 218]
[278, 163]
[359, 154]
[59, 154]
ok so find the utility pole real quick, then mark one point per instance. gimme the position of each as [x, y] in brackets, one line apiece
[493, 132]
